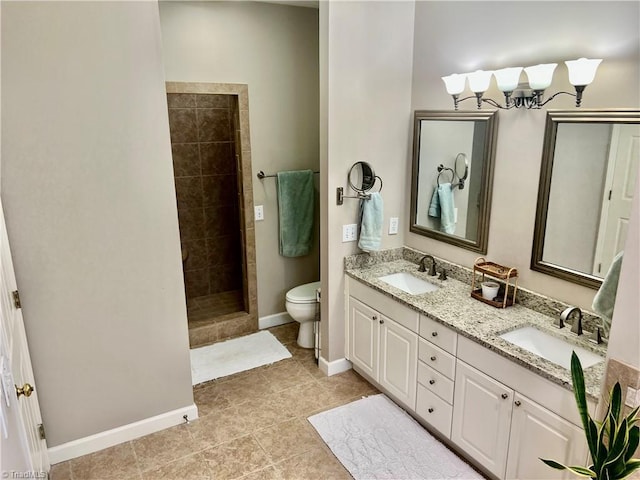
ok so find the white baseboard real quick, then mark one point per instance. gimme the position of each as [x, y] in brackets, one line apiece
[335, 367]
[274, 320]
[125, 433]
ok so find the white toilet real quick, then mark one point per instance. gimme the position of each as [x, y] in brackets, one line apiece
[301, 303]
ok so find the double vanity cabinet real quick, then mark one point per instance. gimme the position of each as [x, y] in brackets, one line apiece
[496, 413]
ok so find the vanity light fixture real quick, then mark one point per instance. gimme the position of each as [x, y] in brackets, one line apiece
[581, 74]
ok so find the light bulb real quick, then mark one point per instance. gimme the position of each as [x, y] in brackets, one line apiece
[540, 76]
[582, 71]
[479, 81]
[454, 83]
[508, 78]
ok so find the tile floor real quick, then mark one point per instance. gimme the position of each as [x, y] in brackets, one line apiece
[252, 426]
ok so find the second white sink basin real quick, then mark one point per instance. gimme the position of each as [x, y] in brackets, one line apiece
[409, 283]
[549, 347]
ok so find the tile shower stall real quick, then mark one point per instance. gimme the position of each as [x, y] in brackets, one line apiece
[203, 143]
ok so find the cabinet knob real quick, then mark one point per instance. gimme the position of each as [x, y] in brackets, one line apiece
[518, 403]
[381, 321]
[434, 334]
[433, 358]
[430, 410]
[431, 382]
[374, 317]
[505, 396]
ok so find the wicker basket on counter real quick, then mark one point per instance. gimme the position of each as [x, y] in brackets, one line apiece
[506, 275]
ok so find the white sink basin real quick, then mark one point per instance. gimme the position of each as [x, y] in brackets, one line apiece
[408, 283]
[547, 346]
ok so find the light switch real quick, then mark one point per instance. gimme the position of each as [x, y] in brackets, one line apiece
[259, 212]
[393, 226]
[349, 232]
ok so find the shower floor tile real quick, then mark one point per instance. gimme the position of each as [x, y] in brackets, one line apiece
[208, 308]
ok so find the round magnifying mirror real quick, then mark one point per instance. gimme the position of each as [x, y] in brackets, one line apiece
[461, 166]
[361, 177]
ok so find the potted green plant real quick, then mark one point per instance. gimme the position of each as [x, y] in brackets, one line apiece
[611, 442]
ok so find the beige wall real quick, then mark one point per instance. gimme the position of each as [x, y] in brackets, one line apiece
[274, 50]
[449, 38]
[523, 33]
[608, 30]
[90, 204]
[366, 78]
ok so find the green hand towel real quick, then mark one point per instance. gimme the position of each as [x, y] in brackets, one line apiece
[295, 212]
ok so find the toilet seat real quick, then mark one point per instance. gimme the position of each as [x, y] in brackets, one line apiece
[303, 293]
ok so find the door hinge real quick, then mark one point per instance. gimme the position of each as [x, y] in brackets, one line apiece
[43, 435]
[610, 194]
[16, 299]
[599, 267]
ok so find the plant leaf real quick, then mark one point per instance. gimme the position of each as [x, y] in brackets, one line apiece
[591, 431]
[632, 466]
[634, 440]
[633, 416]
[582, 471]
[616, 401]
[553, 464]
[620, 439]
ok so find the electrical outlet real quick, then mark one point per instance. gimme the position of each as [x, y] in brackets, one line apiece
[259, 213]
[349, 233]
[393, 226]
[633, 397]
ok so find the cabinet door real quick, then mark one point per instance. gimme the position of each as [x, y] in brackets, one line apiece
[537, 433]
[363, 337]
[398, 361]
[482, 417]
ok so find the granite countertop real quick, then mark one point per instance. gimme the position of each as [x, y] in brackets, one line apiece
[453, 306]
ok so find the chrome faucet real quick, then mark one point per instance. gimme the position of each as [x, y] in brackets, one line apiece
[576, 323]
[432, 268]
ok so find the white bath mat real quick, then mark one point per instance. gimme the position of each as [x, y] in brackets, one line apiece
[236, 355]
[374, 438]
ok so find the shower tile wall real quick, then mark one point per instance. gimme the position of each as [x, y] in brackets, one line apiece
[204, 162]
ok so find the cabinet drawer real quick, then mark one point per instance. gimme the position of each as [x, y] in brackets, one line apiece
[435, 382]
[435, 411]
[436, 333]
[437, 358]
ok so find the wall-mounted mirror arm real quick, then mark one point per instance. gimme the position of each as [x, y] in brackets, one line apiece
[340, 196]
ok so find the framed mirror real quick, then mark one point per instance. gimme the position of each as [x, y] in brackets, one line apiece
[587, 182]
[452, 176]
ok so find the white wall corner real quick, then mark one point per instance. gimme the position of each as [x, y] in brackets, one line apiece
[335, 367]
[125, 433]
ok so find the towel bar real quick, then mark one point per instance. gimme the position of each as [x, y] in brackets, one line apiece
[262, 175]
